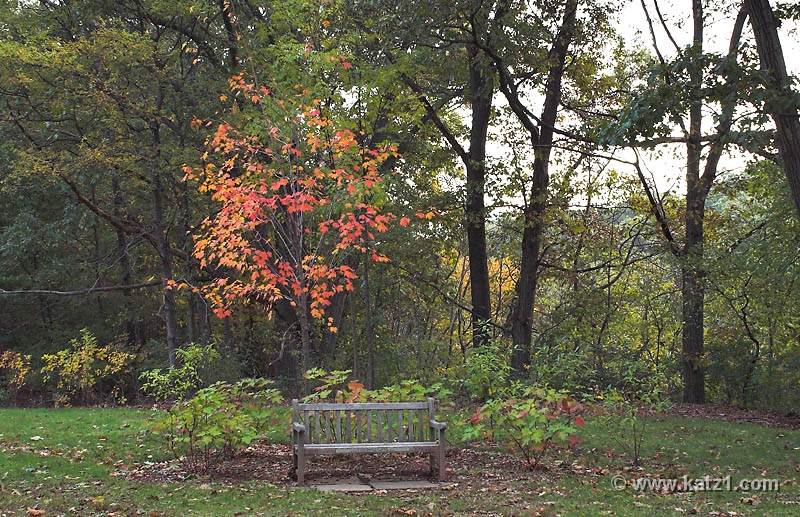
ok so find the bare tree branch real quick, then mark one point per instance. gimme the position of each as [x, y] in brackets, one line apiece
[90, 290]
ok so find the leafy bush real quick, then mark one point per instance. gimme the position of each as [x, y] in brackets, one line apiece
[331, 386]
[16, 372]
[79, 370]
[410, 389]
[335, 387]
[17, 368]
[175, 383]
[218, 420]
[488, 370]
[531, 423]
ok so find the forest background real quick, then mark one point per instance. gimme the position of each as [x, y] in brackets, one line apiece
[401, 189]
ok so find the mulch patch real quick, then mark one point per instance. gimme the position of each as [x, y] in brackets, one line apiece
[467, 467]
[271, 463]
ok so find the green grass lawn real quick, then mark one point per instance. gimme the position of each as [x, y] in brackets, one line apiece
[69, 461]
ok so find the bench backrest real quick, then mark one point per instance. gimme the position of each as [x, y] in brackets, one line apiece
[367, 422]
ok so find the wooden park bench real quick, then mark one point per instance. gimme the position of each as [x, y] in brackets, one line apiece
[371, 427]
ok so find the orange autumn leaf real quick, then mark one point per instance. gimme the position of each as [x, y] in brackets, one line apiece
[287, 191]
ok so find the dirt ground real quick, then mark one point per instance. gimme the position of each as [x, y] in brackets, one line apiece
[270, 463]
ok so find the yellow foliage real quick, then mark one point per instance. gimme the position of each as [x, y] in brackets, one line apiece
[18, 365]
[79, 368]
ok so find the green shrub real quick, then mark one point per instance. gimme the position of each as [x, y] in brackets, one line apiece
[218, 420]
[175, 383]
[335, 387]
[531, 423]
[488, 370]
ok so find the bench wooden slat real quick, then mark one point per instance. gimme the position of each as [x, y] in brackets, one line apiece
[367, 428]
[351, 406]
[355, 448]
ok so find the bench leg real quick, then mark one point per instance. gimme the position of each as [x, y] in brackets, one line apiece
[440, 453]
[438, 464]
[298, 464]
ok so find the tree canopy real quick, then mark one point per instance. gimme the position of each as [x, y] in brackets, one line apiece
[401, 188]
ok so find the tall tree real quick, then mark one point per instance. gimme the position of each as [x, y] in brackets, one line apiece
[481, 49]
[411, 37]
[680, 92]
[541, 131]
[294, 195]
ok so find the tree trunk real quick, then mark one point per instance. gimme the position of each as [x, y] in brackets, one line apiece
[521, 319]
[541, 136]
[481, 91]
[693, 291]
[163, 247]
[784, 109]
[305, 335]
[131, 326]
[287, 325]
[354, 330]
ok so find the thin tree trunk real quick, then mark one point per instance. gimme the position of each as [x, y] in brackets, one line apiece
[368, 331]
[131, 328]
[305, 334]
[354, 330]
[163, 247]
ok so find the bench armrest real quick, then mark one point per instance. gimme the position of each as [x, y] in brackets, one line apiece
[437, 425]
[298, 427]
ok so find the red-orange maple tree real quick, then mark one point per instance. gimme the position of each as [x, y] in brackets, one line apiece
[295, 196]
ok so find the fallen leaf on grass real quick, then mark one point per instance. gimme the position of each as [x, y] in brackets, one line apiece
[34, 512]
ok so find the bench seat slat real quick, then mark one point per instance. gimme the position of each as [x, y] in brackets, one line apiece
[362, 406]
[356, 448]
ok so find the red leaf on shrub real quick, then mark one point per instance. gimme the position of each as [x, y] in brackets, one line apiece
[476, 417]
[579, 421]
